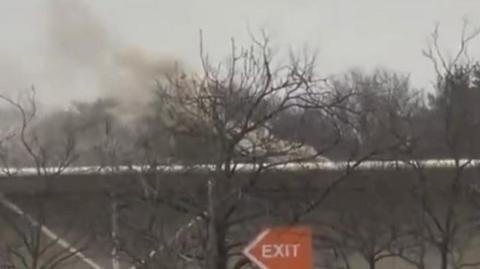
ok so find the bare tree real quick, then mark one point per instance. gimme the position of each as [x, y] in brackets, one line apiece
[370, 228]
[445, 217]
[40, 247]
[230, 110]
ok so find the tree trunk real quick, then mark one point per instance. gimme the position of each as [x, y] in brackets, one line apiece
[216, 256]
[444, 256]
[219, 260]
[114, 232]
[371, 262]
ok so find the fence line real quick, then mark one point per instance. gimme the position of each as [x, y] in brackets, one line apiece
[245, 167]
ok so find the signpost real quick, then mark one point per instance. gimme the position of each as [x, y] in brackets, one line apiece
[282, 248]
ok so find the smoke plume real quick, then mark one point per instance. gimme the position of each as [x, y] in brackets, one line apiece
[85, 53]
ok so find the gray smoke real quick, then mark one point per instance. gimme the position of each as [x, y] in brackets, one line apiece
[84, 52]
[12, 74]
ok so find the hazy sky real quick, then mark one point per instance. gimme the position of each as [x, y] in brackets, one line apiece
[346, 34]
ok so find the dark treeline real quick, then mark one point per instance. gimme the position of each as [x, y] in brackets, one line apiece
[378, 108]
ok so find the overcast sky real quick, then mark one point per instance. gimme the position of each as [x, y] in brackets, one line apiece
[346, 34]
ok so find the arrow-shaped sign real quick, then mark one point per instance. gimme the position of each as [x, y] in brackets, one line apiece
[282, 248]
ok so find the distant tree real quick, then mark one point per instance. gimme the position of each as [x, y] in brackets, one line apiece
[50, 151]
[370, 229]
[445, 217]
[382, 109]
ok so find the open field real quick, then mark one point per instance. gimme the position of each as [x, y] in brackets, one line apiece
[79, 207]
